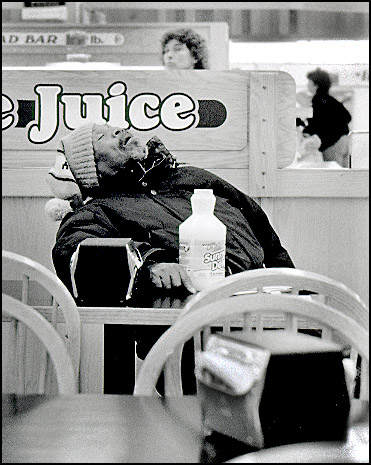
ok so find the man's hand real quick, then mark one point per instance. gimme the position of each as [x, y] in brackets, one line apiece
[169, 275]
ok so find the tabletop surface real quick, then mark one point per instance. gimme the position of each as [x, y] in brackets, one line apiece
[95, 428]
[89, 428]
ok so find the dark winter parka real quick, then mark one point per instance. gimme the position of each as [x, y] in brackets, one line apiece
[149, 210]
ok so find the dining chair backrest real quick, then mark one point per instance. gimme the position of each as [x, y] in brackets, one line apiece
[287, 280]
[249, 301]
[293, 281]
[49, 337]
[27, 272]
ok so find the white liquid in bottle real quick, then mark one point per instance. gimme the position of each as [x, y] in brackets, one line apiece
[202, 241]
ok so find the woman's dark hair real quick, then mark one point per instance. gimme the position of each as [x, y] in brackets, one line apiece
[321, 79]
[195, 43]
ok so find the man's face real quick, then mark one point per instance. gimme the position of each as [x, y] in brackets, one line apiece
[114, 147]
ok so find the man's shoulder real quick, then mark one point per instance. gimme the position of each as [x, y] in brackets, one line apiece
[192, 177]
[190, 169]
[82, 214]
[194, 173]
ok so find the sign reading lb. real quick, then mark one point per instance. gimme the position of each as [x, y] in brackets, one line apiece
[40, 107]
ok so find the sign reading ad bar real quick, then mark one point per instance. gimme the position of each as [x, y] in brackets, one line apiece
[62, 38]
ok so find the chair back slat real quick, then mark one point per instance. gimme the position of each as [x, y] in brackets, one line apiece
[259, 323]
[44, 369]
[247, 323]
[25, 288]
[173, 373]
[54, 316]
[45, 357]
[20, 364]
[226, 326]
[197, 341]
[206, 331]
[327, 333]
[291, 323]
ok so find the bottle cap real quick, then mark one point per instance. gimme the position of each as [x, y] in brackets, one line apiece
[203, 191]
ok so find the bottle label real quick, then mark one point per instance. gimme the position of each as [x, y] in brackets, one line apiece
[203, 260]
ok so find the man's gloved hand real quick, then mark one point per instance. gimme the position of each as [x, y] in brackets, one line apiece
[170, 275]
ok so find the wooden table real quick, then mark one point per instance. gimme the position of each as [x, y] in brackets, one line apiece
[89, 428]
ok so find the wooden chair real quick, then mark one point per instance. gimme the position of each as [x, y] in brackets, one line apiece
[289, 280]
[313, 452]
[49, 338]
[246, 300]
[28, 272]
[355, 449]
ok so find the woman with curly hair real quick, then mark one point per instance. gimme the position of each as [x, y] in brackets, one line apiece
[184, 49]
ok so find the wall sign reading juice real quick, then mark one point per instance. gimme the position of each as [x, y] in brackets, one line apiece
[53, 108]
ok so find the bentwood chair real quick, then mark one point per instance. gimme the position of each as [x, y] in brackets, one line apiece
[49, 337]
[30, 279]
[354, 450]
[248, 300]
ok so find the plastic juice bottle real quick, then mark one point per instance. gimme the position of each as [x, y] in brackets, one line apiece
[202, 241]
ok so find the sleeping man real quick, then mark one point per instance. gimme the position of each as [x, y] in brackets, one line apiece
[108, 184]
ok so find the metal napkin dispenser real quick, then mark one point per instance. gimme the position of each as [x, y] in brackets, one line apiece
[273, 388]
[104, 271]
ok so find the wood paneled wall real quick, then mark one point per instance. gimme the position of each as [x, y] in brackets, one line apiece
[329, 236]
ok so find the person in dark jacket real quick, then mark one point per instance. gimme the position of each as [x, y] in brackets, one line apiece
[330, 121]
[116, 187]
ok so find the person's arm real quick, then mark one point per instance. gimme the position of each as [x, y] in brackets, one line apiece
[157, 263]
[85, 224]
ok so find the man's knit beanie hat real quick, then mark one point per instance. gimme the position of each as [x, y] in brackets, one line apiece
[74, 168]
[78, 150]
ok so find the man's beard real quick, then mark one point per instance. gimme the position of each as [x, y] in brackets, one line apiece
[154, 168]
[126, 178]
[132, 148]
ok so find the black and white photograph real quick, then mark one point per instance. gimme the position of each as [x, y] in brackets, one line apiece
[185, 232]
